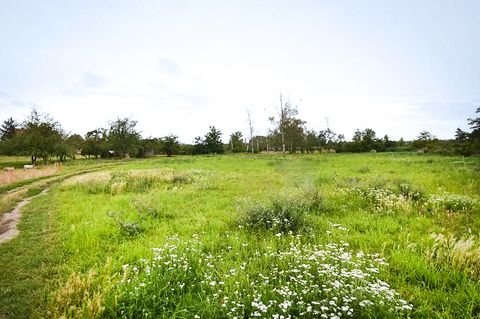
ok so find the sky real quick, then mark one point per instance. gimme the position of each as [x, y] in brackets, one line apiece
[398, 67]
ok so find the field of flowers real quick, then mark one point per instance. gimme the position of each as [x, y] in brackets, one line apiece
[267, 236]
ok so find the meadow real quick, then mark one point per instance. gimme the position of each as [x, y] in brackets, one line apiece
[377, 235]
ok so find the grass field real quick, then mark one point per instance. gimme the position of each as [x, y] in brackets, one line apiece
[268, 236]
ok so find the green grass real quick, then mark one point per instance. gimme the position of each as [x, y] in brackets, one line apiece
[69, 257]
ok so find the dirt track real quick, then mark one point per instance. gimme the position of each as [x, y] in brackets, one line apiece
[9, 221]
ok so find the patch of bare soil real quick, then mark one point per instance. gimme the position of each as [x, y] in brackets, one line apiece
[9, 221]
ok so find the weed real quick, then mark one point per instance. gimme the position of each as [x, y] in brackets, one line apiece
[126, 227]
[410, 192]
[83, 295]
[461, 253]
[364, 170]
[78, 298]
[146, 210]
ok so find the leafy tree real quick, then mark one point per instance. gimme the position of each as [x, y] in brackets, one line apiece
[199, 146]
[388, 144]
[369, 140]
[95, 143]
[8, 129]
[171, 144]
[461, 136]
[74, 144]
[424, 140]
[41, 136]
[365, 141]
[311, 141]
[213, 141]
[150, 146]
[123, 138]
[236, 142]
[475, 126]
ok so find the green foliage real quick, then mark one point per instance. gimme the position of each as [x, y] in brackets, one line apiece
[8, 129]
[171, 144]
[284, 214]
[95, 143]
[210, 144]
[236, 143]
[39, 136]
[123, 138]
[279, 216]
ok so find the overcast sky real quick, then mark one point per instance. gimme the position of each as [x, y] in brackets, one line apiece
[398, 67]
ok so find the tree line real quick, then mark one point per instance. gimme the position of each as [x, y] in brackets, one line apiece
[41, 137]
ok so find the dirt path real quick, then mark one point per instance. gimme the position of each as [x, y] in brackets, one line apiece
[9, 221]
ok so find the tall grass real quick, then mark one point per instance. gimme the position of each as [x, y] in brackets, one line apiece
[363, 234]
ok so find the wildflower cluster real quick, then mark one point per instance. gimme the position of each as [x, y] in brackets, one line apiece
[382, 200]
[450, 203]
[286, 278]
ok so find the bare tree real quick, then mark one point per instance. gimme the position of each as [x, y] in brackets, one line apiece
[286, 121]
[250, 126]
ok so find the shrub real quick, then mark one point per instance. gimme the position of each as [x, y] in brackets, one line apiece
[279, 216]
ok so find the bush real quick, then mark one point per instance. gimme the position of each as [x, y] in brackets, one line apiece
[286, 214]
[279, 216]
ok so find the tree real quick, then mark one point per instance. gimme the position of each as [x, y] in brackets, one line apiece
[236, 142]
[461, 136]
[41, 136]
[8, 129]
[148, 147]
[95, 143]
[198, 146]
[369, 140]
[250, 126]
[171, 144]
[213, 141]
[475, 126]
[74, 144]
[123, 138]
[311, 141]
[289, 128]
[424, 140]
